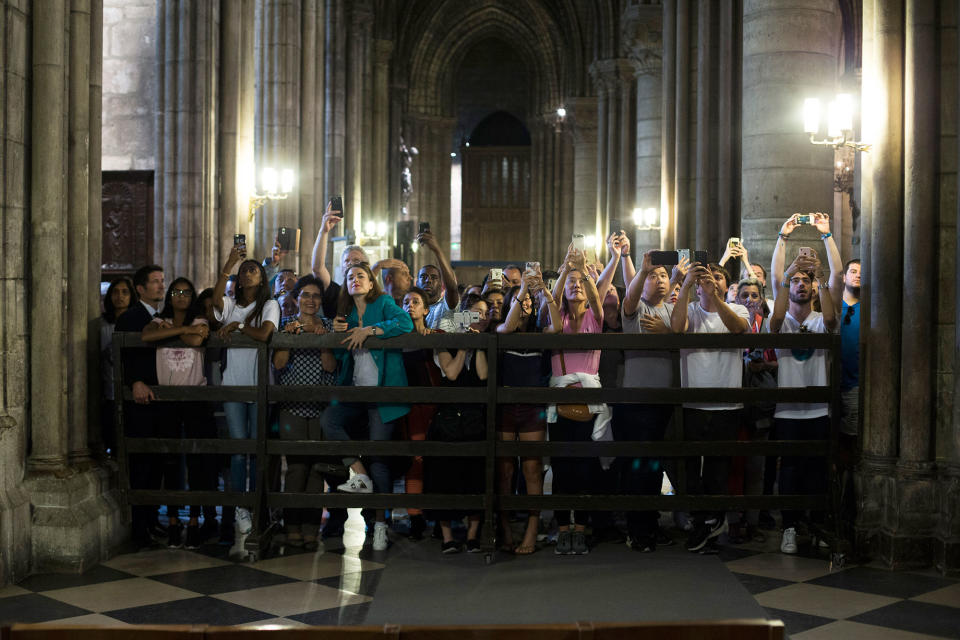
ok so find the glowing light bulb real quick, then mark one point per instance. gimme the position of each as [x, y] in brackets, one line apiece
[370, 228]
[811, 115]
[286, 181]
[269, 180]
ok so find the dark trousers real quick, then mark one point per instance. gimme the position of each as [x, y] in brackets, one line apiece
[712, 478]
[801, 475]
[641, 476]
[149, 470]
[571, 475]
[195, 420]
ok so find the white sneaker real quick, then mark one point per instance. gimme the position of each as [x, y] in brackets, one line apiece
[238, 551]
[380, 540]
[359, 483]
[243, 520]
[788, 543]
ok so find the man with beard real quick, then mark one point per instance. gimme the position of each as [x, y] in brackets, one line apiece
[439, 282]
[793, 313]
[850, 350]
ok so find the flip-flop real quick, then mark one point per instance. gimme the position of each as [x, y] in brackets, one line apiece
[525, 550]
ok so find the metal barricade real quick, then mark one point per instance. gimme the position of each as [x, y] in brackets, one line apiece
[491, 395]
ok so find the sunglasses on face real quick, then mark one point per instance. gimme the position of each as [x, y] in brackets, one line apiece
[181, 292]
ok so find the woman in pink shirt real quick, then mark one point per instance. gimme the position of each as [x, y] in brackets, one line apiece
[581, 311]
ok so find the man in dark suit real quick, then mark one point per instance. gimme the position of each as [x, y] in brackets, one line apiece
[141, 418]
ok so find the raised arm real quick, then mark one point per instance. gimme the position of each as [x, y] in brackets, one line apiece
[449, 278]
[318, 261]
[779, 253]
[221, 287]
[678, 319]
[730, 318]
[606, 276]
[834, 262]
[626, 261]
[631, 300]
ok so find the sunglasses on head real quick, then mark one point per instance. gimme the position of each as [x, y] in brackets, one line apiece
[848, 315]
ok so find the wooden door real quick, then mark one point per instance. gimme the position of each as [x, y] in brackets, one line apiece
[127, 222]
[495, 217]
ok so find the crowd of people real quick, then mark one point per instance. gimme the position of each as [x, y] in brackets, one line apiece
[662, 293]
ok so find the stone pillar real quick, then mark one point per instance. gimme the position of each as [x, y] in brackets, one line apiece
[16, 280]
[681, 118]
[278, 111]
[94, 228]
[78, 252]
[616, 144]
[583, 118]
[48, 198]
[335, 105]
[553, 193]
[380, 149]
[185, 184]
[790, 52]
[430, 202]
[702, 208]
[311, 206]
[358, 49]
[236, 122]
[668, 126]
[947, 554]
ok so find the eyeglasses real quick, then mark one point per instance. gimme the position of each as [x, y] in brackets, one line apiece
[181, 292]
[847, 317]
[311, 296]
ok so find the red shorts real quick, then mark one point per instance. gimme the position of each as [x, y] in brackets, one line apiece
[522, 418]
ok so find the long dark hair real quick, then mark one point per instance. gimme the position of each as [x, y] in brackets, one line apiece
[261, 296]
[527, 324]
[192, 310]
[109, 311]
[345, 302]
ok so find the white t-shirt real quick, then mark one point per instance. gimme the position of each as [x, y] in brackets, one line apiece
[365, 371]
[438, 311]
[242, 363]
[711, 367]
[802, 368]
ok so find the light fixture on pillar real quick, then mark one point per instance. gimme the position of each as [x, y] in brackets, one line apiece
[560, 118]
[648, 218]
[275, 186]
[839, 122]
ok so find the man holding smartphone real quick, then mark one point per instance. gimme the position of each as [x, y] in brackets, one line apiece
[438, 281]
[352, 254]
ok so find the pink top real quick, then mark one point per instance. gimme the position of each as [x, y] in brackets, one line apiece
[181, 366]
[578, 361]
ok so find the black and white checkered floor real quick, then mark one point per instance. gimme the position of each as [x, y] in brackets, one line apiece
[336, 586]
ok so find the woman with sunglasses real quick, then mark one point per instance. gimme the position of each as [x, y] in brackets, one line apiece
[183, 366]
[363, 310]
[255, 314]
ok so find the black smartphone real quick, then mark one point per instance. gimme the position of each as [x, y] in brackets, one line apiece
[288, 238]
[702, 257]
[659, 258]
[423, 228]
[615, 226]
[336, 204]
[239, 239]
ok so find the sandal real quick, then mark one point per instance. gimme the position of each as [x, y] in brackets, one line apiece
[525, 550]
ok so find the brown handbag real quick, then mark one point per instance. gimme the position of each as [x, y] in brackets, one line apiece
[575, 412]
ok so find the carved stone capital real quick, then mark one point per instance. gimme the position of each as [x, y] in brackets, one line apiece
[581, 119]
[641, 37]
[612, 74]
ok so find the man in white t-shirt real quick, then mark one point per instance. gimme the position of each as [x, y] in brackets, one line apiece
[439, 282]
[793, 313]
[709, 368]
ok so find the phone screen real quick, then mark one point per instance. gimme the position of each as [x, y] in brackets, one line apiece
[336, 204]
[579, 242]
[424, 227]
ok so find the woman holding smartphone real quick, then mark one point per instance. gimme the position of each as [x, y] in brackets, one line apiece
[254, 314]
[524, 422]
[364, 310]
[581, 312]
[183, 366]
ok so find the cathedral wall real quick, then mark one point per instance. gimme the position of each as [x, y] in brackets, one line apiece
[129, 84]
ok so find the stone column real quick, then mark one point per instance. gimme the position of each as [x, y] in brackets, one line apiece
[681, 119]
[616, 144]
[78, 252]
[668, 125]
[357, 45]
[430, 202]
[311, 206]
[48, 198]
[185, 184]
[335, 105]
[380, 149]
[278, 111]
[702, 208]
[947, 552]
[94, 228]
[790, 52]
[583, 118]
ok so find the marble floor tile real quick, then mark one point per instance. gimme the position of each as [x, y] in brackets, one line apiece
[13, 590]
[796, 622]
[781, 566]
[362, 582]
[319, 565]
[212, 580]
[120, 594]
[846, 630]
[822, 601]
[159, 561]
[759, 584]
[355, 614]
[919, 617]
[896, 584]
[89, 620]
[275, 623]
[204, 610]
[294, 598]
[34, 607]
[51, 581]
[948, 596]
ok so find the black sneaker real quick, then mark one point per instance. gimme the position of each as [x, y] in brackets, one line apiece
[473, 545]
[174, 536]
[704, 532]
[194, 537]
[643, 544]
[418, 524]
[564, 543]
[578, 544]
[664, 539]
[451, 546]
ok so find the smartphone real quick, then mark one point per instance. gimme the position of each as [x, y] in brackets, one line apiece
[533, 268]
[616, 226]
[240, 240]
[803, 218]
[288, 238]
[336, 204]
[733, 242]
[579, 242]
[807, 252]
[683, 253]
[424, 228]
[702, 257]
[665, 257]
[496, 275]
[464, 319]
[551, 283]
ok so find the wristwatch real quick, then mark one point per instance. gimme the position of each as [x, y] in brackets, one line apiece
[241, 326]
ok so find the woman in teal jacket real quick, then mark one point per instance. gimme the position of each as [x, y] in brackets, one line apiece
[363, 310]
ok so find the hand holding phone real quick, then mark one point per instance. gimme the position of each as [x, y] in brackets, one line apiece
[240, 242]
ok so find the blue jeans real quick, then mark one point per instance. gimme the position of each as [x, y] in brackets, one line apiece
[357, 422]
[242, 424]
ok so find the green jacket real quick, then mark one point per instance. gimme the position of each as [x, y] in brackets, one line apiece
[394, 321]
